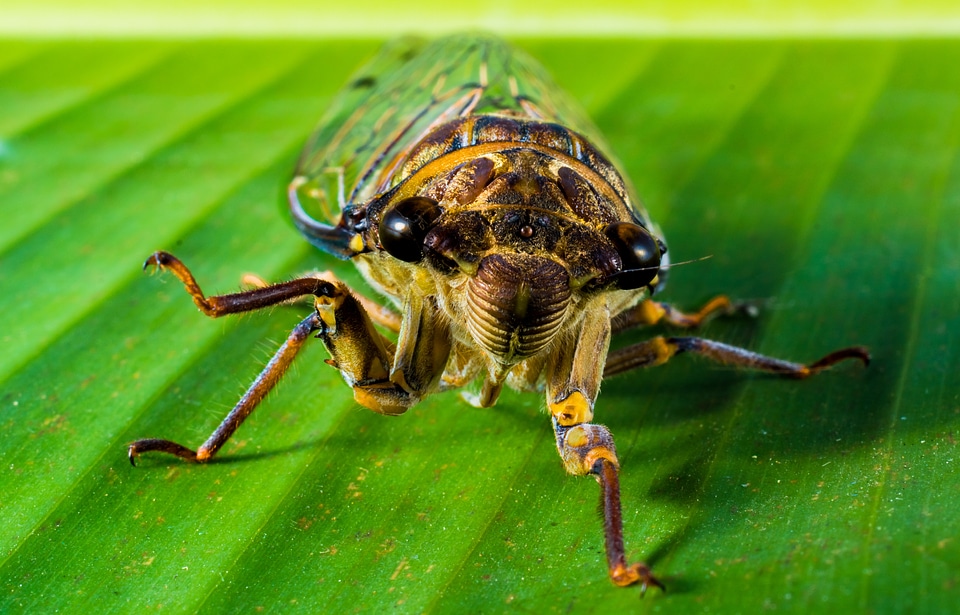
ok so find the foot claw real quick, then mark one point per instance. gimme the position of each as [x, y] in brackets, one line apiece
[160, 260]
[163, 446]
[636, 573]
[153, 260]
[859, 353]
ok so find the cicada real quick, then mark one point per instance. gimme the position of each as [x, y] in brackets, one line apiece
[484, 207]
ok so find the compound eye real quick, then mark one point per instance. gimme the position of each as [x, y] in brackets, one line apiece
[404, 226]
[639, 254]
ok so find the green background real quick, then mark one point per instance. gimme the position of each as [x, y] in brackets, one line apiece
[820, 173]
[384, 18]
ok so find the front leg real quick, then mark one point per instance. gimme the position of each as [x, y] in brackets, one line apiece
[588, 449]
[573, 382]
[385, 378]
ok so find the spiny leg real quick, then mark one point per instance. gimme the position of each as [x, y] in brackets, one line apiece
[588, 449]
[357, 350]
[659, 350]
[248, 300]
[649, 312]
[380, 314]
[267, 379]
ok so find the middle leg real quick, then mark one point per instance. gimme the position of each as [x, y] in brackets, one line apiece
[650, 312]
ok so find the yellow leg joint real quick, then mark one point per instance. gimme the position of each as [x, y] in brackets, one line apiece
[326, 308]
[573, 410]
[577, 437]
[601, 452]
[582, 446]
[382, 403]
[356, 243]
[650, 312]
[662, 351]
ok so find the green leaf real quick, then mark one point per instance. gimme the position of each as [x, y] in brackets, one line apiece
[821, 176]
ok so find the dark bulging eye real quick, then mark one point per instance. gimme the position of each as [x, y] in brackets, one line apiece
[404, 226]
[639, 254]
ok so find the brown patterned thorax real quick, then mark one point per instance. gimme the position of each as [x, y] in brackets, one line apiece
[524, 207]
[505, 135]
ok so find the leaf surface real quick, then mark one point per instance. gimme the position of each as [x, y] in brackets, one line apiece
[821, 176]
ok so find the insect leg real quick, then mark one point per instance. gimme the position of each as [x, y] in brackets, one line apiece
[337, 240]
[245, 301]
[574, 375]
[588, 449]
[385, 378]
[659, 350]
[267, 379]
[380, 314]
[651, 312]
